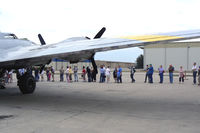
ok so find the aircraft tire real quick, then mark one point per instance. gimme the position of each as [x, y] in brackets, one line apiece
[27, 84]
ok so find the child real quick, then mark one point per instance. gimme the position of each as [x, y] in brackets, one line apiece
[181, 74]
[49, 76]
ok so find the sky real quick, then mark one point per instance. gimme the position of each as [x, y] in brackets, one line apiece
[58, 20]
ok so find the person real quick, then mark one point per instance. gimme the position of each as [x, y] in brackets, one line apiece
[67, 74]
[171, 70]
[83, 74]
[42, 75]
[161, 72]
[132, 72]
[75, 74]
[61, 74]
[108, 74]
[29, 70]
[70, 74]
[119, 75]
[115, 74]
[10, 76]
[37, 75]
[194, 71]
[21, 71]
[146, 75]
[181, 75]
[199, 75]
[150, 73]
[88, 73]
[94, 73]
[102, 74]
[52, 73]
[6, 76]
[49, 74]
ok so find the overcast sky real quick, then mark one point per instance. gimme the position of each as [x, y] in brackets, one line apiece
[57, 20]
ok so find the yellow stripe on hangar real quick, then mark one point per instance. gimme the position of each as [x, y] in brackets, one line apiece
[152, 38]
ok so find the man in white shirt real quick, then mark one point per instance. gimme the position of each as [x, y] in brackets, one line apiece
[108, 74]
[67, 74]
[194, 70]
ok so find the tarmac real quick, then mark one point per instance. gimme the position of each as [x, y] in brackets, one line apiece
[60, 107]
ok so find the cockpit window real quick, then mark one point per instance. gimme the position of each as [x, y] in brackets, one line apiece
[10, 36]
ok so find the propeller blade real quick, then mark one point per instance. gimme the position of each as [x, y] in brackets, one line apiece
[41, 39]
[87, 38]
[100, 33]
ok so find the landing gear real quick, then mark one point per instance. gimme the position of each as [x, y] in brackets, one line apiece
[2, 79]
[2, 83]
[26, 83]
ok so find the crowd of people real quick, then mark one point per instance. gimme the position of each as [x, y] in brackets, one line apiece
[105, 74]
[150, 70]
[89, 72]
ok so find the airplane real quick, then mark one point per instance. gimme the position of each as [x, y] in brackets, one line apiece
[19, 53]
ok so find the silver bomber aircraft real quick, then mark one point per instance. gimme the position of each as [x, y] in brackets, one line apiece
[18, 53]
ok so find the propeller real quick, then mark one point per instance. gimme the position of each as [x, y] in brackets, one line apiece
[41, 39]
[100, 33]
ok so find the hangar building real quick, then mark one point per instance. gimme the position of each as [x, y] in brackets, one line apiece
[177, 53]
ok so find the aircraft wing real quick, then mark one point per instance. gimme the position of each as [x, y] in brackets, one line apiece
[83, 49]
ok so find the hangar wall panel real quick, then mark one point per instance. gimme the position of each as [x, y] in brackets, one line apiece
[155, 56]
[194, 56]
[177, 57]
[178, 54]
